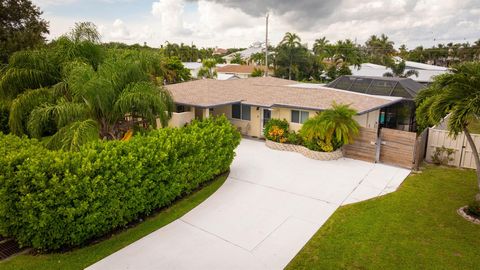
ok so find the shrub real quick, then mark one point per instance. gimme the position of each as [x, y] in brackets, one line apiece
[274, 127]
[294, 138]
[473, 209]
[442, 155]
[4, 114]
[56, 199]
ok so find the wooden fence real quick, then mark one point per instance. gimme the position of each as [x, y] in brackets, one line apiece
[393, 147]
[462, 155]
[364, 147]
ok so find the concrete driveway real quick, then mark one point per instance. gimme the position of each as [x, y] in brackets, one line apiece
[269, 207]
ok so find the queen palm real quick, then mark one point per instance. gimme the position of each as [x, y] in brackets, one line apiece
[456, 94]
[71, 94]
[398, 70]
[290, 42]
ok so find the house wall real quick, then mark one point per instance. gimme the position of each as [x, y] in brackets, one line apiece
[254, 126]
[368, 120]
[250, 128]
[286, 113]
[180, 119]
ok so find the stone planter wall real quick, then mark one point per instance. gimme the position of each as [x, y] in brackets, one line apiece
[305, 151]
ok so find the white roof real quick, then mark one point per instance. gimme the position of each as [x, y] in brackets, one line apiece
[225, 76]
[246, 53]
[417, 65]
[373, 70]
[192, 65]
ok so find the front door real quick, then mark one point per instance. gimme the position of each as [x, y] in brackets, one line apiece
[266, 116]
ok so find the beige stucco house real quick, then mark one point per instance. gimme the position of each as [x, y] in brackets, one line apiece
[250, 103]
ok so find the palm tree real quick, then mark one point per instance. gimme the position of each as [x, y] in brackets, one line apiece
[208, 69]
[456, 94]
[237, 59]
[290, 42]
[331, 128]
[348, 52]
[380, 49]
[69, 92]
[398, 70]
[320, 47]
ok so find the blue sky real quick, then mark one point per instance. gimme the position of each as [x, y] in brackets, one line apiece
[238, 23]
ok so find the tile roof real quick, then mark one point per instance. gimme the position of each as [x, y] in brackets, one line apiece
[271, 92]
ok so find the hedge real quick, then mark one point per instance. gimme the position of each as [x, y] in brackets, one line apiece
[56, 199]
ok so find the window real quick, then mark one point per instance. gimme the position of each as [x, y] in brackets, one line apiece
[246, 112]
[182, 108]
[236, 111]
[299, 116]
[241, 111]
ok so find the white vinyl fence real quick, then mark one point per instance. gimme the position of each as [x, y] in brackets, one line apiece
[462, 156]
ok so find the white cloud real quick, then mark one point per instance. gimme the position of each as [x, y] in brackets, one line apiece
[119, 31]
[238, 23]
[171, 16]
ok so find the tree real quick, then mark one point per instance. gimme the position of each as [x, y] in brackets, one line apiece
[348, 53]
[257, 72]
[290, 43]
[73, 92]
[380, 49]
[330, 129]
[38, 68]
[456, 94]
[20, 27]
[398, 70]
[208, 69]
[237, 59]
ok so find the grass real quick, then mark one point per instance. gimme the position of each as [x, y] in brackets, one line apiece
[416, 227]
[83, 257]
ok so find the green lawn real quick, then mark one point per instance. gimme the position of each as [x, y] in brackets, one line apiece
[81, 258]
[416, 227]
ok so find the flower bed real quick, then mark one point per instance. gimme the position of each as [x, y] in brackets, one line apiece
[305, 151]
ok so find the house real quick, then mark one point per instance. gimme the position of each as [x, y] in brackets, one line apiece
[257, 47]
[194, 67]
[219, 51]
[399, 116]
[240, 71]
[224, 76]
[250, 103]
[426, 73]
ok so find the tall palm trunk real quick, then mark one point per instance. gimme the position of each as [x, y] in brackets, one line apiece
[475, 157]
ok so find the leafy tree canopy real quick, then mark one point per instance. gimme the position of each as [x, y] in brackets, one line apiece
[21, 27]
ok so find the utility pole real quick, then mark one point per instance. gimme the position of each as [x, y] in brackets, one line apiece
[266, 45]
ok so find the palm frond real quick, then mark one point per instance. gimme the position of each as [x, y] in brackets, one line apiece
[22, 106]
[62, 113]
[146, 101]
[74, 135]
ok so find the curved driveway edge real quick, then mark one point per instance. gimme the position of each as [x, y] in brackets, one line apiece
[270, 206]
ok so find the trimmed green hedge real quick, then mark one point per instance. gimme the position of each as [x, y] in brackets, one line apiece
[57, 199]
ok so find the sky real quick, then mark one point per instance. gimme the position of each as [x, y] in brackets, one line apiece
[239, 23]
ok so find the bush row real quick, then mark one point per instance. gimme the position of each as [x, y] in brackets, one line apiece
[57, 199]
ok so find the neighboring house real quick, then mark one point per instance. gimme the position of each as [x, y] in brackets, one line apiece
[194, 67]
[219, 51]
[250, 103]
[223, 76]
[240, 71]
[426, 73]
[256, 47]
[402, 115]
